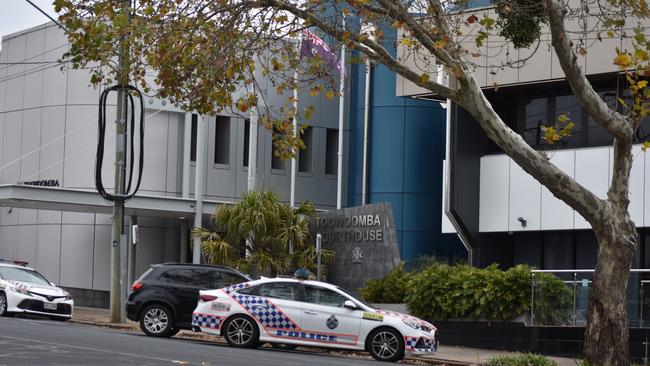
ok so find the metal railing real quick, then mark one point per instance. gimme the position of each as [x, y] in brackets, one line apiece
[553, 304]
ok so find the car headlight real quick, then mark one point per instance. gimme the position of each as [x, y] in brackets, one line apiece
[67, 295]
[411, 324]
[20, 291]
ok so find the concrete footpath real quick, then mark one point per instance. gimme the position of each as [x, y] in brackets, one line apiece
[447, 355]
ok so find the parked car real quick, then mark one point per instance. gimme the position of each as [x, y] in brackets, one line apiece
[163, 298]
[309, 313]
[24, 290]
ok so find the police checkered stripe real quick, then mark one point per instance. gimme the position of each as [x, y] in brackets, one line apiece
[409, 343]
[263, 310]
[206, 321]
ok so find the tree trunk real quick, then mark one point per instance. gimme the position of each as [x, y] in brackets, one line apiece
[606, 335]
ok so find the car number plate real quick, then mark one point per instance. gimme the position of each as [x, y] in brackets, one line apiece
[48, 306]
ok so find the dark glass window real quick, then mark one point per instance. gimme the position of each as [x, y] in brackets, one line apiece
[597, 135]
[222, 140]
[276, 161]
[195, 120]
[305, 155]
[247, 133]
[568, 104]
[323, 296]
[331, 150]
[535, 115]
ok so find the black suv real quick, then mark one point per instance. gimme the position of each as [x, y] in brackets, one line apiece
[165, 296]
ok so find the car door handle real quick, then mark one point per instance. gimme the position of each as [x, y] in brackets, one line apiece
[259, 306]
[311, 312]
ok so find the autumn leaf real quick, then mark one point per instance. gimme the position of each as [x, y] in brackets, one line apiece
[645, 146]
[623, 60]
[472, 19]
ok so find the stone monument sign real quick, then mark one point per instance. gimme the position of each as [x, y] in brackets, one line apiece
[364, 241]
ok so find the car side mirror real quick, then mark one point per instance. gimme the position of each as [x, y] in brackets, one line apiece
[350, 305]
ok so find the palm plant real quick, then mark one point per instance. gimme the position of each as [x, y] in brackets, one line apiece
[264, 228]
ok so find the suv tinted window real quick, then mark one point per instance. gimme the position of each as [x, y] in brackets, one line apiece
[206, 278]
[274, 290]
[323, 296]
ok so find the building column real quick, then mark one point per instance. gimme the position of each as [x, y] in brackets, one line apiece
[183, 241]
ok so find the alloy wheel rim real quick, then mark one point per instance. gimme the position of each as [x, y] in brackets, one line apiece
[240, 331]
[156, 320]
[384, 344]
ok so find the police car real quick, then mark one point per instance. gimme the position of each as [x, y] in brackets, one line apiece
[24, 290]
[309, 313]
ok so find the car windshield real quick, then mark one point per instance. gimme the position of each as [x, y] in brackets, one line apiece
[22, 275]
[352, 296]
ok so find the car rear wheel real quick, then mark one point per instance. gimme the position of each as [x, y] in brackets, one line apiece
[241, 331]
[3, 304]
[157, 321]
[386, 344]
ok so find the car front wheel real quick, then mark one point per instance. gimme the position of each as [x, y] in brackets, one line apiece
[157, 321]
[241, 331]
[3, 304]
[386, 344]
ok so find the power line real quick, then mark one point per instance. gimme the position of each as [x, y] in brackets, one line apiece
[31, 62]
[47, 15]
[37, 55]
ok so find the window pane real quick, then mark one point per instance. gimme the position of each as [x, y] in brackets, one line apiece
[535, 116]
[567, 104]
[276, 160]
[279, 290]
[222, 141]
[247, 132]
[323, 296]
[195, 119]
[305, 155]
[598, 136]
[331, 149]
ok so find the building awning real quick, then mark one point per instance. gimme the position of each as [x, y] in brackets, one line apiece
[77, 200]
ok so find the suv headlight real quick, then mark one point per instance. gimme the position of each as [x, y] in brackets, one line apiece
[411, 324]
[67, 295]
[20, 291]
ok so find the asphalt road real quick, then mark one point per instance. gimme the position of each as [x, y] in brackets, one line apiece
[46, 342]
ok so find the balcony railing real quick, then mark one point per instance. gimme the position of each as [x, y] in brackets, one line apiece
[567, 306]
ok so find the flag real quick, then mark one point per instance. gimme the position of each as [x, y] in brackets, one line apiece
[311, 45]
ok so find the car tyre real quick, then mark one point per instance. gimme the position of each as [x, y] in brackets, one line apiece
[241, 331]
[386, 344]
[174, 332]
[3, 304]
[157, 321]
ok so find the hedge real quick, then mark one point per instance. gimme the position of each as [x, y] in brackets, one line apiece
[442, 291]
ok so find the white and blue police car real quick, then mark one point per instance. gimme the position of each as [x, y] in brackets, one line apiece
[309, 313]
[24, 290]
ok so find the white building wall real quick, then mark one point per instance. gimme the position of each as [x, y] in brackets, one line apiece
[506, 191]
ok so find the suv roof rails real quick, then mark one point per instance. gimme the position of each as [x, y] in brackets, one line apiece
[16, 262]
[193, 265]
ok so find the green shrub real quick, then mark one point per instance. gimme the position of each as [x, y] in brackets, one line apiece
[524, 359]
[464, 292]
[441, 291]
[389, 289]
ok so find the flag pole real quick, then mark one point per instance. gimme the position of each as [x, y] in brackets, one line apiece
[292, 190]
[339, 170]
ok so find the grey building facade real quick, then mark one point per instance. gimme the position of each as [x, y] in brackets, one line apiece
[48, 132]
